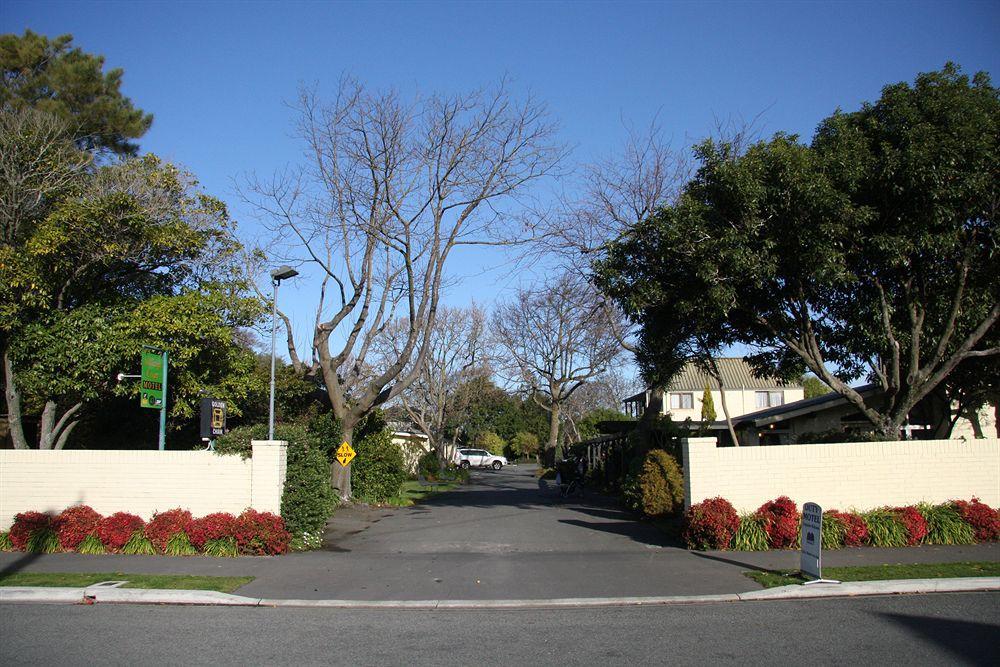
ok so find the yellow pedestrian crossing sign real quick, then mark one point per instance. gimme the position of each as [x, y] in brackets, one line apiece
[345, 453]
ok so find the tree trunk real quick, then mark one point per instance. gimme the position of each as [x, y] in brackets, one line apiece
[722, 395]
[550, 447]
[340, 477]
[53, 434]
[13, 398]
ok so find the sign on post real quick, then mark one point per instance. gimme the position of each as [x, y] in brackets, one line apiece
[811, 558]
[151, 385]
[213, 418]
[345, 453]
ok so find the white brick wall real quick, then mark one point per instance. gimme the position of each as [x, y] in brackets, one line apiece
[860, 475]
[140, 482]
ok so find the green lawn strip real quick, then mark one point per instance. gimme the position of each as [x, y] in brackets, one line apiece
[186, 582]
[770, 579]
[413, 491]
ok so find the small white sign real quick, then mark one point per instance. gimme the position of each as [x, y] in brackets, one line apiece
[810, 560]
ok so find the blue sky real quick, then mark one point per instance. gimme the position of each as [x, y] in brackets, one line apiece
[216, 75]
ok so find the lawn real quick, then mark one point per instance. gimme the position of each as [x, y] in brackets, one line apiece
[770, 579]
[77, 579]
[413, 492]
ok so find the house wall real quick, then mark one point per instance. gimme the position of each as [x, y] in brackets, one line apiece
[141, 481]
[739, 402]
[860, 475]
[413, 446]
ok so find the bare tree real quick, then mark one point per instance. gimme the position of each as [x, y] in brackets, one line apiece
[390, 191]
[457, 353]
[556, 339]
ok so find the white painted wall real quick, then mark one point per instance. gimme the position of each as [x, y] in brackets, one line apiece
[141, 481]
[860, 475]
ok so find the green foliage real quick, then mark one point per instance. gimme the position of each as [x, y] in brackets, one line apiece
[813, 387]
[43, 541]
[589, 425]
[179, 545]
[833, 532]
[707, 405]
[491, 442]
[523, 444]
[378, 471]
[54, 77]
[945, 525]
[661, 484]
[5, 543]
[91, 545]
[139, 544]
[429, 465]
[836, 435]
[885, 528]
[751, 535]
[223, 547]
[307, 500]
[490, 408]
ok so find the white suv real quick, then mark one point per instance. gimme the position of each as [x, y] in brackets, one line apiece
[480, 458]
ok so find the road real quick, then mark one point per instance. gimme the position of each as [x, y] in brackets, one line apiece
[910, 630]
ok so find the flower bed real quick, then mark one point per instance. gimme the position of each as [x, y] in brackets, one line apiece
[174, 532]
[714, 524]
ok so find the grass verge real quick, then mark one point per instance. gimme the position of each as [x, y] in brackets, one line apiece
[770, 579]
[413, 492]
[185, 582]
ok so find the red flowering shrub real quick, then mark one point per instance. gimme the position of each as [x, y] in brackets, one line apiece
[115, 530]
[781, 521]
[985, 520]
[913, 521]
[74, 524]
[855, 530]
[261, 533]
[165, 525]
[211, 527]
[25, 524]
[711, 524]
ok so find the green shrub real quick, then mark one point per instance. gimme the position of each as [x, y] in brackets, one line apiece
[429, 465]
[91, 545]
[5, 543]
[179, 545]
[378, 471]
[307, 500]
[751, 535]
[491, 442]
[631, 489]
[139, 544]
[945, 525]
[223, 547]
[661, 484]
[43, 541]
[885, 529]
[834, 531]
[523, 444]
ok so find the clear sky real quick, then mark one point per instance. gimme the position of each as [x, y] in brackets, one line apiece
[216, 75]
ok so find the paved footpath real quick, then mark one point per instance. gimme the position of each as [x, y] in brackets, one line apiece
[500, 537]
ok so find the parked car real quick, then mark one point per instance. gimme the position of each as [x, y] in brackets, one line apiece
[478, 458]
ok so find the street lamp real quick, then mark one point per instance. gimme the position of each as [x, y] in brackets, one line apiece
[283, 272]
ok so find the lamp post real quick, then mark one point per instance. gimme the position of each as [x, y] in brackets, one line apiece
[281, 273]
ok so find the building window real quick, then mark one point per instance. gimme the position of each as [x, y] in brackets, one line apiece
[681, 401]
[770, 399]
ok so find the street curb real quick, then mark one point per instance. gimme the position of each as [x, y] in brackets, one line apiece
[106, 595]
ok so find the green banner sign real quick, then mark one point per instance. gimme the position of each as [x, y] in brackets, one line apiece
[151, 387]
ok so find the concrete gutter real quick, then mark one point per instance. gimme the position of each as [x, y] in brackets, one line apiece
[108, 595]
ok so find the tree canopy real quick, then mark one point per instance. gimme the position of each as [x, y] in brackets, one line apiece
[869, 254]
[65, 82]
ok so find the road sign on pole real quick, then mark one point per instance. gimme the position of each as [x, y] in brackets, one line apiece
[153, 387]
[345, 454]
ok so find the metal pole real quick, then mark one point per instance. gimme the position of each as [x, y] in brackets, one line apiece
[163, 408]
[274, 315]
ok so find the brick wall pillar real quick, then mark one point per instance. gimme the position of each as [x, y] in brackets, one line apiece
[267, 480]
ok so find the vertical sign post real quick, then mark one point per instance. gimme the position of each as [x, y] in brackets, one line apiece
[811, 557]
[153, 387]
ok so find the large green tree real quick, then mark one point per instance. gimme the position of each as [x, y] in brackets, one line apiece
[871, 253]
[65, 82]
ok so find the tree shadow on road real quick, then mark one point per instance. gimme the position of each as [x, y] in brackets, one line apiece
[971, 642]
[634, 530]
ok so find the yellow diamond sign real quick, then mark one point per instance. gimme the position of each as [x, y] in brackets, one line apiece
[345, 453]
